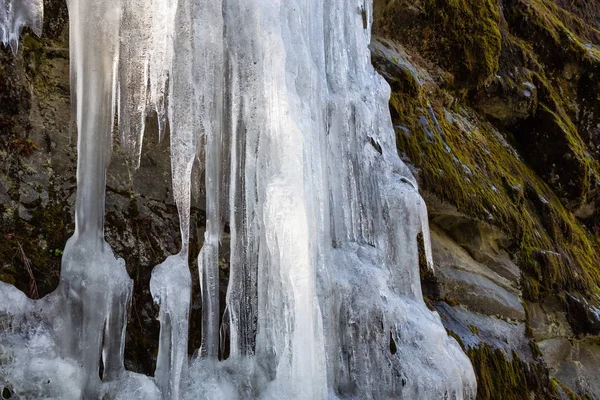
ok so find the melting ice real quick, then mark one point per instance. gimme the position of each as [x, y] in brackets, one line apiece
[279, 103]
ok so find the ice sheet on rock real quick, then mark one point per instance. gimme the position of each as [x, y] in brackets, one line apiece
[231, 379]
[374, 293]
[132, 386]
[31, 363]
[14, 15]
[13, 302]
[34, 370]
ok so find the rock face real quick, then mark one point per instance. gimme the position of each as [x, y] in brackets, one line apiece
[495, 105]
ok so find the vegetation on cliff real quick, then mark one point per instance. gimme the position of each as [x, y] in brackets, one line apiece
[495, 104]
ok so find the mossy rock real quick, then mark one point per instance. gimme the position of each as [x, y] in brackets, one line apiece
[557, 36]
[555, 151]
[464, 161]
[461, 36]
[509, 379]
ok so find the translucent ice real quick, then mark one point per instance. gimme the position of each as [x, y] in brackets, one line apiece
[170, 286]
[82, 324]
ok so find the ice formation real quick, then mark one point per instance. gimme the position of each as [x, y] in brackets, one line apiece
[279, 103]
[14, 15]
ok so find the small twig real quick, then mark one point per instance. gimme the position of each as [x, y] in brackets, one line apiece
[33, 290]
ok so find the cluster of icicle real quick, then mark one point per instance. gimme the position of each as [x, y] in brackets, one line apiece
[279, 103]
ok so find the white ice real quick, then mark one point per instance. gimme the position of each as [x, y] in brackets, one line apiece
[280, 105]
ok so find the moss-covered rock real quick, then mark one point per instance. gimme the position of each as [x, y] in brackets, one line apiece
[462, 36]
[510, 141]
[510, 379]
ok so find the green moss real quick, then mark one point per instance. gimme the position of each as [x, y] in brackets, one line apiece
[463, 161]
[535, 350]
[556, 34]
[471, 28]
[474, 329]
[457, 338]
[462, 36]
[514, 378]
[559, 386]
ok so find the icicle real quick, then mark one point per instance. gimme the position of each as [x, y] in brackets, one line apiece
[94, 284]
[171, 283]
[14, 15]
[161, 56]
[208, 62]
[135, 42]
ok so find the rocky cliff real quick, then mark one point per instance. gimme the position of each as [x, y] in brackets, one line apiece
[495, 105]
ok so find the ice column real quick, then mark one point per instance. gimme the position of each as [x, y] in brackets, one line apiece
[273, 252]
[171, 282]
[241, 62]
[94, 285]
[208, 38]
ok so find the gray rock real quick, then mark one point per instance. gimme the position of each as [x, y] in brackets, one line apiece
[475, 329]
[28, 194]
[548, 319]
[575, 363]
[24, 213]
[472, 283]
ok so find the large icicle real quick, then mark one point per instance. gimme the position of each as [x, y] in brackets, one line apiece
[161, 56]
[94, 285]
[171, 283]
[207, 24]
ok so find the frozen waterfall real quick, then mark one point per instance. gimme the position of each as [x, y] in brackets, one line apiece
[279, 103]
